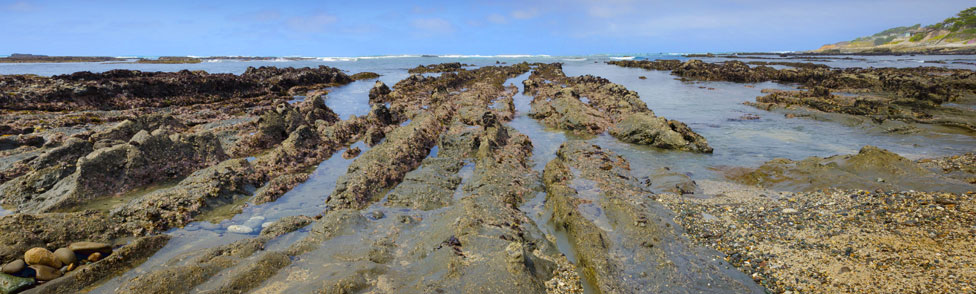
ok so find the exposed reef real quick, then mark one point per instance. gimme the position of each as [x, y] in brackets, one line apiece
[593, 105]
[625, 239]
[902, 94]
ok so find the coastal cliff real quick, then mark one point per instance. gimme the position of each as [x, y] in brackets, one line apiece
[954, 35]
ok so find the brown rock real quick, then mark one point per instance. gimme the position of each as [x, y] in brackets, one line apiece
[41, 256]
[95, 257]
[85, 248]
[45, 273]
[14, 267]
[65, 255]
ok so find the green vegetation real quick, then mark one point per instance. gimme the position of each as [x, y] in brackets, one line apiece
[883, 40]
[897, 31]
[917, 37]
[963, 20]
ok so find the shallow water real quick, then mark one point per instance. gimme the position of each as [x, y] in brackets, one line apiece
[307, 198]
[715, 114]
[713, 109]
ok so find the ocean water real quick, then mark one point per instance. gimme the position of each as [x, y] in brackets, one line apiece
[713, 109]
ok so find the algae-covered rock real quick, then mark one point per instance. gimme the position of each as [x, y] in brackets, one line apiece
[626, 242]
[378, 91]
[385, 165]
[11, 284]
[592, 105]
[871, 168]
[25, 231]
[640, 128]
[200, 192]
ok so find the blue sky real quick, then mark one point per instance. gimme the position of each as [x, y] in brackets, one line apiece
[358, 28]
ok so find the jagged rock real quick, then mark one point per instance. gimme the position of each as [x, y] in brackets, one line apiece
[68, 152]
[590, 105]
[433, 68]
[202, 191]
[123, 89]
[378, 91]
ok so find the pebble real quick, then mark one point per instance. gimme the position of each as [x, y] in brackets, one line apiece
[14, 267]
[239, 229]
[45, 273]
[85, 248]
[41, 256]
[254, 221]
[790, 210]
[65, 255]
[95, 257]
[376, 214]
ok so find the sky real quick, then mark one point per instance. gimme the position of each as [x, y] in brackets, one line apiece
[365, 28]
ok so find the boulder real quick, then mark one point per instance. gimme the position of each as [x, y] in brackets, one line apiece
[646, 129]
[41, 256]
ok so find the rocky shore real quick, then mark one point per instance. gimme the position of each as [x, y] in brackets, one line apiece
[100, 171]
[591, 105]
[905, 95]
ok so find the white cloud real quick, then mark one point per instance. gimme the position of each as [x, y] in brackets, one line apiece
[311, 23]
[433, 25]
[19, 6]
[525, 13]
[497, 18]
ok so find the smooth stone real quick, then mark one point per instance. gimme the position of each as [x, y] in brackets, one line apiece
[86, 248]
[376, 214]
[95, 257]
[65, 255]
[14, 267]
[254, 222]
[12, 284]
[41, 256]
[239, 229]
[45, 273]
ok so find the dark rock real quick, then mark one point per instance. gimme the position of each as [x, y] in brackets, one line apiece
[378, 91]
[87, 248]
[124, 89]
